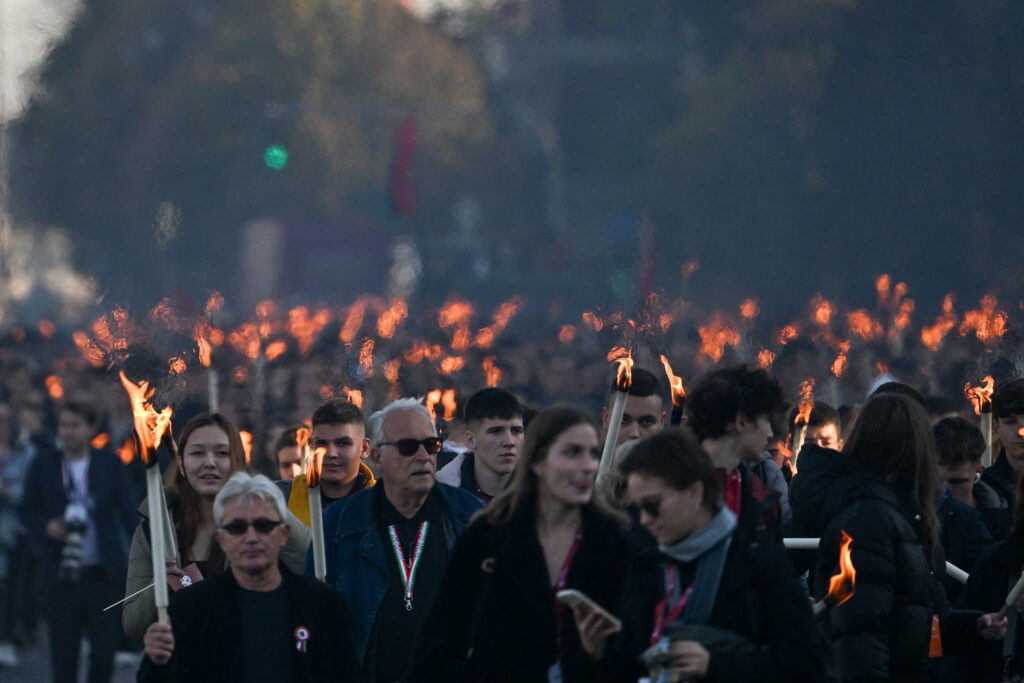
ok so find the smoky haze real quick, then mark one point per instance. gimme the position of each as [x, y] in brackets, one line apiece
[317, 150]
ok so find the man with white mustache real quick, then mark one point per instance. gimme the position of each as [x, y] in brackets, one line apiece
[387, 546]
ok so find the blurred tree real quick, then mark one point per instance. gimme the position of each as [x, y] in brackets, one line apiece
[183, 102]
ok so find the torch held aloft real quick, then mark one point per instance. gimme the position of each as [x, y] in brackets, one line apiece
[316, 519]
[154, 497]
[612, 438]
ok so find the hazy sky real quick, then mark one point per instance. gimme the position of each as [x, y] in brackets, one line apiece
[27, 29]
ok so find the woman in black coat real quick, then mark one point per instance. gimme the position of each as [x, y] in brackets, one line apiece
[709, 602]
[881, 490]
[495, 617]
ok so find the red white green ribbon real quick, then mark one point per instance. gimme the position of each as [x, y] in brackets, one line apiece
[408, 567]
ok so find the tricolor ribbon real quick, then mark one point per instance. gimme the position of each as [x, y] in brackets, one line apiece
[301, 638]
[408, 567]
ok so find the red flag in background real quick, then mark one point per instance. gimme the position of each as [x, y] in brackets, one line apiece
[400, 182]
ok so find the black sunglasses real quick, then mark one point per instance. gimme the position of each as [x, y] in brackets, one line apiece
[652, 506]
[408, 447]
[262, 525]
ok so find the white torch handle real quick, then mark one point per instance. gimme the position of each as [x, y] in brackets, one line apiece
[316, 519]
[611, 439]
[154, 497]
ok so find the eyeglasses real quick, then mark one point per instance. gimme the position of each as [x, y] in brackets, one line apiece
[409, 447]
[652, 506]
[262, 526]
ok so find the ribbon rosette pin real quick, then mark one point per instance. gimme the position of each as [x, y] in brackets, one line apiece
[301, 638]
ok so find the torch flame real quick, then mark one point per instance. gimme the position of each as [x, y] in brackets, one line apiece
[841, 586]
[716, 335]
[127, 450]
[246, 444]
[765, 358]
[566, 334]
[803, 415]
[821, 311]
[433, 398]
[492, 373]
[100, 441]
[355, 397]
[675, 383]
[624, 374]
[749, 309]
[863, 325]
[366, 356]
[988, 323]
[841, 361]
[389, 319]
[314, 458]
[150, 425]
[448, 401]
[592, 321]
[54, 387]
[981, 396]
[788, 334]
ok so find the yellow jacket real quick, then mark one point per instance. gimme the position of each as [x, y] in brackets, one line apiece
[298, 499]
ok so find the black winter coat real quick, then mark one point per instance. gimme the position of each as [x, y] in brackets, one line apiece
[994, 573]
[883, 632]
[1003, 480]
[758, 598]
[964, 537]
[206, 619]
[493, 619]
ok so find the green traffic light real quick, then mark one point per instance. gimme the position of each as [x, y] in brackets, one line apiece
[276, 157]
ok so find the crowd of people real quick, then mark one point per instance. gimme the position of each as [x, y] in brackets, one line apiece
[487, 541]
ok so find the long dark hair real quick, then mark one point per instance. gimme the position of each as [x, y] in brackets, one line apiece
[523, 490]
[675, 456]
[893, 437]
[185, 503]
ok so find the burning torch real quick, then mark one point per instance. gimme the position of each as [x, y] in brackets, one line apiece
[150, 428]
[314, 468]
[678, 393]
[803, 417]
[623, 379]
[840, 586]
[981, 398]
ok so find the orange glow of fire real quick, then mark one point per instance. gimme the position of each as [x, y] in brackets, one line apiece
[150, 425]
[275, 350]
[1020, 432]
[326, 393]
[988, 323]
[353, 320]
[391, 317]
[788, 334]
[54, 387]
[203, 344]
[716, 335]
[665, 321]
[421, 351]
[981, 395]
[675, 383]
[841, 586]
[883, 285]
[689, 268]
[460, 339]
[433, 399]
[100, 441]
[246, 340]
[932, 336]
[176, 365]
[366, 356]
[492, 373]
[902, 318]
[881, 367]
[566, 335]
[46, 328]
[239, 374]
[355, 397]
[624, 373]
[305, 327]
[803, 415]
[765, 358]
[455, 312]
[391, 369]
[127, 451]
[214, 303]
[448, 401]
[502, 316]
[841, 362]
[165, 315]
[450, 364]
[821, 311]
[592, 321]
[749, 309]
[863, 325]
[94, 354]
[246, 444]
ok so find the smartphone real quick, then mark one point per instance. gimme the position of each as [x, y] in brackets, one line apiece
[574, 598]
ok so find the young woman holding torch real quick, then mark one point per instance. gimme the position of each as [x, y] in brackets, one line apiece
[881, 490]
[707, 602]
[209, 452]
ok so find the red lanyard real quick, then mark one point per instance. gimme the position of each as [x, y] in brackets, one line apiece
[563, 579]
[661, 619]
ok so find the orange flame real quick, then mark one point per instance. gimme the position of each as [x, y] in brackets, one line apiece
[454, 312]
[803, 415]
[863, 325]
[675, 383]
[366, 356]
[981, 396]
[246, 340]
[150, 425]
[54, 387]
[492, 373]
[355, 397]
[89, 349]
[246, 444]
[214, 303]
[788, 334]
[46, 328]
[448, 401]
[624, 373]
[127, 451]
[566, 335]
[422, 351]
[821, 311]
[391, 370]
[902, 319]
[305, 327]
[765, 358]
[314, 458]
[389, 319]
[592, 321]
[275, 350]
[716, 335]
[203, 344]
[433, 398]
[450, 364]
[840, 363]
[749, 309]
[932, 336]
[883, 284]
[326, 392]
[100, 441]
[987, 323]
[176, 365]
[354, 320]
[506, 311]
[841, 586]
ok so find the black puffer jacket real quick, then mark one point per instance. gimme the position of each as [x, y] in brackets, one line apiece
[883, 632]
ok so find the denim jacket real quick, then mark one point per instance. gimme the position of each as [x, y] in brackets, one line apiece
[357, 558]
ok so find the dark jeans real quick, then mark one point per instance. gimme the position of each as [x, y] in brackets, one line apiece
[76, 608]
